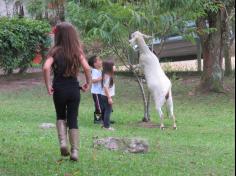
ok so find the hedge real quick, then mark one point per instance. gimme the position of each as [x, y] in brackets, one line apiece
[20, 39]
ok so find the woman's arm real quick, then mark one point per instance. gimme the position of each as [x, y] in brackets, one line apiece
[87, 73]
[46, 73]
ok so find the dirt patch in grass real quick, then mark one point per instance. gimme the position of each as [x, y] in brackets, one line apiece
[17, 81]
[21, 81]
[149, 124]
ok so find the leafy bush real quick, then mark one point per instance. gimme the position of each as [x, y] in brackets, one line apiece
[20, 39]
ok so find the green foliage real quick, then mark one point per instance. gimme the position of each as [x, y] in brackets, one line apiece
[107, 19]
[19, 40]
[113, 21]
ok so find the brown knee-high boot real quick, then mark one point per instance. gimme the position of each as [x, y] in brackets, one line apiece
[62, 137]
[74, 138]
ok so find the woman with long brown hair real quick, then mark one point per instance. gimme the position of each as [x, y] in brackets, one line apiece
[65, 59]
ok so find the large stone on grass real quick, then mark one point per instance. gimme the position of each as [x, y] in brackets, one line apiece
[47, 125]
[132, 145]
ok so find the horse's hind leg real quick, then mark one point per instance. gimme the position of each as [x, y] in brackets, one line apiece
[159, 102]
[170, 107]
[161, 115]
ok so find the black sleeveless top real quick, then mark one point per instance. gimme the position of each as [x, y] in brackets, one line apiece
[59, 67]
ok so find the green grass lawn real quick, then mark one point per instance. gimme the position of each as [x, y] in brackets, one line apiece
[203, 144]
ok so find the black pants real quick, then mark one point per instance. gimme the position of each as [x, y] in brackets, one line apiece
[98, 107]
[106, 111]
[66, 101]
[97, 103]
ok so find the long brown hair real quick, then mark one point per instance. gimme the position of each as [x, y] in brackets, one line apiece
[68, 44]
[108, 69]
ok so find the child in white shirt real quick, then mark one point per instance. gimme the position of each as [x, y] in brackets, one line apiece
[96, 64]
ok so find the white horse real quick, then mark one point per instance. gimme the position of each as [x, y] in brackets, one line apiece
[157, 82]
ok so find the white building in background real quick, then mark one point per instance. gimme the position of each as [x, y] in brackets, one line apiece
[4, 7]
[8, 7]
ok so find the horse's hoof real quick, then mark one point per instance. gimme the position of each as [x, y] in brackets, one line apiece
[162, 127]
[174, 127]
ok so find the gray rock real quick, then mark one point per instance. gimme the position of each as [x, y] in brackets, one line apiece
[47, 125]
[132, 145]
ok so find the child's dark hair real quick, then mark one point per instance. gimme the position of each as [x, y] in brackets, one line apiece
[108, 69]
[92, 60]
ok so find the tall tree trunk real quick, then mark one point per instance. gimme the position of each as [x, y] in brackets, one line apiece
[146, 100]
[212, 77]
[149, 105]
[23, 70]
[46, 16]
[22, 13]
[61, 12]
[226, 45]
[8, 72]
[226, 40]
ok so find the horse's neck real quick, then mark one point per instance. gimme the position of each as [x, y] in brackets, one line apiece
[143, 48]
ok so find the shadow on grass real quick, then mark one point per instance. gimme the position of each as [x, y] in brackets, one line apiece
[149, 124]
